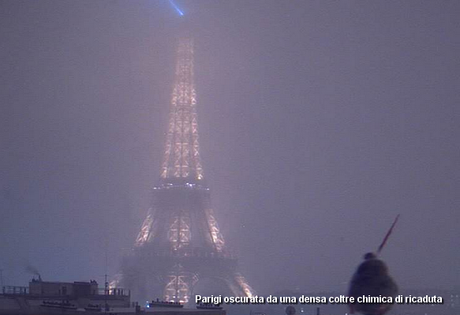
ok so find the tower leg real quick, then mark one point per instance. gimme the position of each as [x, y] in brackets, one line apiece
[179, 284]
[239, 286]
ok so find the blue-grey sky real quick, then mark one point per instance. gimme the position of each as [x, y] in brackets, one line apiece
[320, 121]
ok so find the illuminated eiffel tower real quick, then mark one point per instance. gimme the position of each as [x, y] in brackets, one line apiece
[180, 242]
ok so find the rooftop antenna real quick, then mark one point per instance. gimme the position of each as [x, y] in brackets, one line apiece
[385, 239]
[106, 281]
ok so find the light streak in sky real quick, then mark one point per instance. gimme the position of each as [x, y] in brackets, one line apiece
[177, 8]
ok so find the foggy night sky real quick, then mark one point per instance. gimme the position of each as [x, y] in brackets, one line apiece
[319, 123]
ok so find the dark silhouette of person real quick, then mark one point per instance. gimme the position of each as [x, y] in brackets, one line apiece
[372, 279]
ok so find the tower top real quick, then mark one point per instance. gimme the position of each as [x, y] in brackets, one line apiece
[181, 157]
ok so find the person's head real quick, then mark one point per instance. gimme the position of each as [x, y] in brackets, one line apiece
[372, 265]
[369, 256]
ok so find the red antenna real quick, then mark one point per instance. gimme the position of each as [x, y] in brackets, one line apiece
[388, 235]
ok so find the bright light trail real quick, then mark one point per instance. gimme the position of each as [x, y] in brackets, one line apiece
[176, 7]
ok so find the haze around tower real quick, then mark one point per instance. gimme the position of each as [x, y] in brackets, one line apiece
[319, 123]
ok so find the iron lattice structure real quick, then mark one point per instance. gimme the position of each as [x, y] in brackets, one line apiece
[180, 241]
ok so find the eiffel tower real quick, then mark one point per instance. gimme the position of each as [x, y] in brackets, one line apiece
[180, 242]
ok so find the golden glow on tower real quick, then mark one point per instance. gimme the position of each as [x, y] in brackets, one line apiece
[182, 150]
[181, 226]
